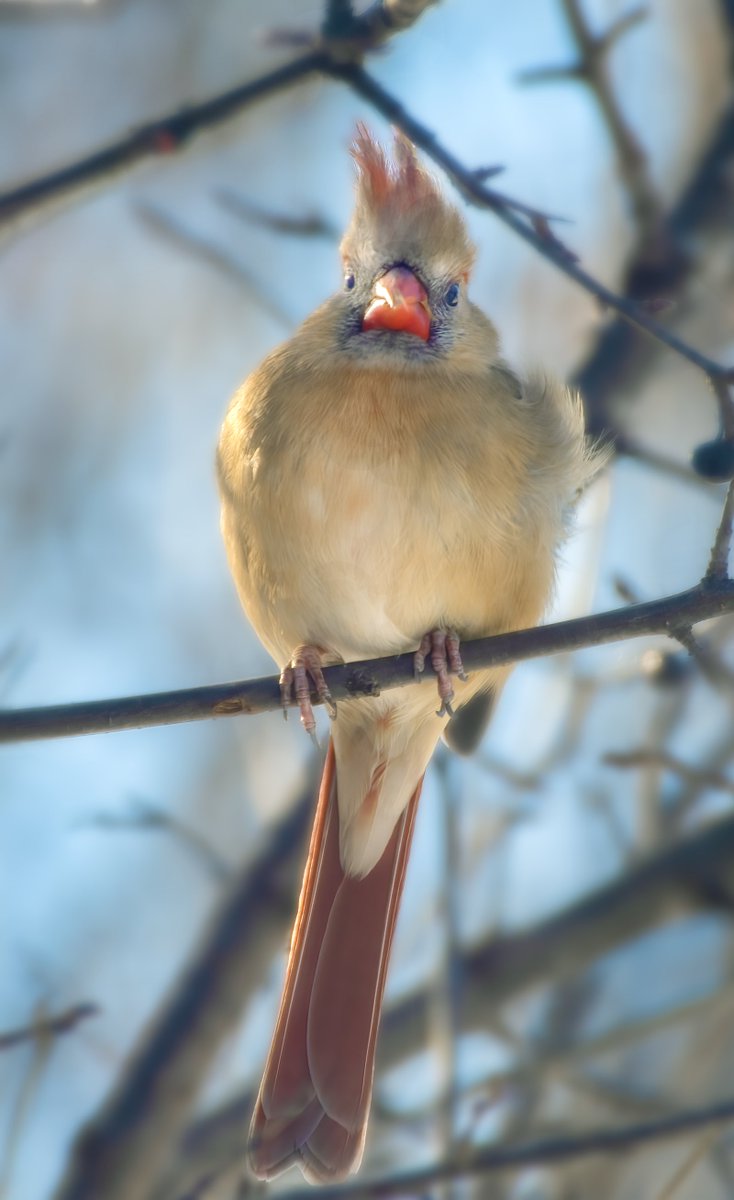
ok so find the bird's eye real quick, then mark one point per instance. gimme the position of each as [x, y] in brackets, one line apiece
[452, 295]
[349, 280]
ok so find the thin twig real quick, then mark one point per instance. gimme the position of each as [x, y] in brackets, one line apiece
[697, 1152]
[719, 562]
[368, 31]
[48, 1027]
[371, 676]
[166, 226]
[143, 1119]
[145, 816]
[699, 777]
[309, 225]
[163, 136]
[550, 1150]
[629, 446]
[710, 664]
[672, 881]
[592, 69]
[170, 133]
[516, 216]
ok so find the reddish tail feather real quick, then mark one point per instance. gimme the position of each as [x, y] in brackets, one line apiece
[314, 1099]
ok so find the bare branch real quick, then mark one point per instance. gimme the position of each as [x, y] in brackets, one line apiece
[719, 562]
[144, 816]
[676, 880]
[696, 872]
[624, 444]
[550, 1150]
[169, 134]
[160, 137]
[339, 19]
[698, 776]
[380, 21]
[699, 1151]
[592, 69]
[48, 1027]
[310, 225]
[144, 1117]
[165, 226]
[519, 218]
[672, 615]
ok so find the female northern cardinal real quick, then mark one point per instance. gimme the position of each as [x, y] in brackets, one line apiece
[388, 484]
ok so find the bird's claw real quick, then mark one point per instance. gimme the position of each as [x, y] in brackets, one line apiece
[442, 646]
[302, 675]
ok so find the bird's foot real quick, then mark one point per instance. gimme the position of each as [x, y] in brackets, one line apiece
[298, 680]
[442, 645]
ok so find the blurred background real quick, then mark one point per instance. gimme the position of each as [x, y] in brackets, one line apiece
[126, 321]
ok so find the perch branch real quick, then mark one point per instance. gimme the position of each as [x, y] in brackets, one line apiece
[670, 615]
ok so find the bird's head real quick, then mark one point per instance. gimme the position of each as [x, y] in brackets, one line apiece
[407, 258]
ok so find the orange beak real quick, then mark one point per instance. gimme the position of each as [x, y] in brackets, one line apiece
[400, 303]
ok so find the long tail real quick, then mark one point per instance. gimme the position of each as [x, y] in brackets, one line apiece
[315, 1095]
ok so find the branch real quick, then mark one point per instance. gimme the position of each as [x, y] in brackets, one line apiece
[511, 214]
[163, 136]
[620, 358]
[695, 872]
[671, 615]
[170, 133]
[677, 880]
[166, 226]
[309, 225]
[718, 567]
[381, 20]
[592, 69]
[122, 1154]
[45, 1027]
[142, 815]
[698, 776]
[549, 1150]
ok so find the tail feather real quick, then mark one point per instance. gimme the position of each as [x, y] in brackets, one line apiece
[315, 1095]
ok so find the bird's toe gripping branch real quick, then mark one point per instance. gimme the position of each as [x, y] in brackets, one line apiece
[298, 680]
[442, 645]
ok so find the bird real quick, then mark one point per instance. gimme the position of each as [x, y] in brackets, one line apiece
[388, 484]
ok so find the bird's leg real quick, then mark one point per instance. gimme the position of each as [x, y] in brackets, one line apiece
[443, 647]
[302, 676]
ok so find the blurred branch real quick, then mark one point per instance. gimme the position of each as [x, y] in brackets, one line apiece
[380, 21]
[310, 225]
[718, 567]
[591, 69]
[507, 1158]
[671, 615]
[619, 358]
[168, 228]
[163, 136]
[624, 444]
[218, 1138]
[48, 1027]
[699, 1151]
[694, 873]
[709, 662]
[170, 133]
[141, 1122]
[699, 777]
[674, 881]
[521, 220]
[143, 816]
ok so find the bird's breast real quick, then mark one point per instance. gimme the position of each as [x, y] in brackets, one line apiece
[366, 534]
